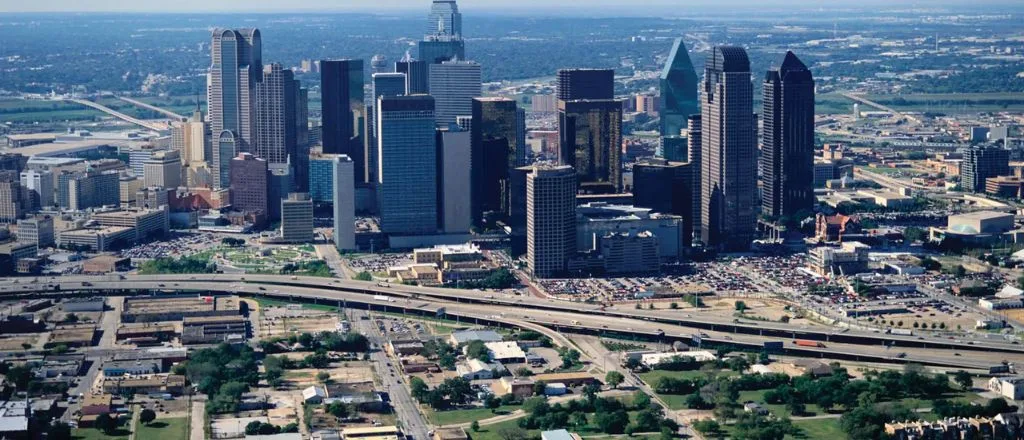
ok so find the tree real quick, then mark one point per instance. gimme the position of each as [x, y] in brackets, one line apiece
[58, 431]
[614, 378]
[641, 400]
[475, 426]
[419, 388]
[673, 305]
[146, 416]
[104, 422]
[614, 422]
[964, 380]
[539, 387]
[570, 357]
[364, 276]
[323, 376]
[477, 350]
[512, 433]
[741, 306]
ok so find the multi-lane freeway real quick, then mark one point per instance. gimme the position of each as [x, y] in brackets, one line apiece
[492, 308]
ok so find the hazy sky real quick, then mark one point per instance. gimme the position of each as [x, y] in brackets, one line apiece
[583, 6]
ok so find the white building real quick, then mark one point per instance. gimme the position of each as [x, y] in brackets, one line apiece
[506, 352]
[1009, 387]
[598, 219]
[653, 359]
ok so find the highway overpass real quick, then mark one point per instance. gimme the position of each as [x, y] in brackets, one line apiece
[485, 311]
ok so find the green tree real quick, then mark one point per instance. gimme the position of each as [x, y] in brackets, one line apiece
[418, 388]
[146, 416]
[363, 276]
[475, 426]
[58, 431]
[105, 423]
[477, 350]
[614, 378]
[323, 376]
[614, 422]
[741, 306]
[964, 380]
[673, 305]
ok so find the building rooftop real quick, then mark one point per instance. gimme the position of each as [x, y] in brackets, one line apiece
[505, 350]
[465, 336]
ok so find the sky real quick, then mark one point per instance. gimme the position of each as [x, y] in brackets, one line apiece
[513, 6]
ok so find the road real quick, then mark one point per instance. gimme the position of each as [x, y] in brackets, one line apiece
[151, 125]
[414, 425]
[863, 347]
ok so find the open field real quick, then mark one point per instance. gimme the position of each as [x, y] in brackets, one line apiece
[94, 434]
[458, 416]
[163, 429]
[831, 103]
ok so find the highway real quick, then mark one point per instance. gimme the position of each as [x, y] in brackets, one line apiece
[571, 318]
[173, 116]
[155, 126]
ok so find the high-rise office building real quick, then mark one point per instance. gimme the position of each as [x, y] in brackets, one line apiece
[679, 86]
[321, 176]
[388, 84]
[728, 151]
[415, 75]
[693, 156]
[236, 66]
[666, 187]
[39, 183]
[443, 38]
[454, 84]
[249, 184]
[550, 219]
[276, 104]
[89, 189]
[787, 136]
[280, 183]
[344, 203]
[590, 140]
[303, 141]
[407, 169]
[495, 152]
[454, 186]
[382, 84]
[162, 169]
[13, 198]
[36, 230]
[190, 138]
[981, 163]
[444, 19]
[585, 84]
[342, 109]
[297, 218]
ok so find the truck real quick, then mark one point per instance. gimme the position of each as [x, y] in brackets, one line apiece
[900, 331]
[380, 298]
[808, 343]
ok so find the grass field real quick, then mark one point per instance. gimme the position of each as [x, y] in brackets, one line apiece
[95, 434]
[491, 432]
[458, 416]
[677, 401]
[163, 429]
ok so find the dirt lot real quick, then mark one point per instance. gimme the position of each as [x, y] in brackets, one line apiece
[343, 372]
[285, 324]
[14, 342]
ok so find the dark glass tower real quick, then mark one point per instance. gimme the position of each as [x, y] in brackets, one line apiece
[679, 86]
[787, 133]
[728, 151]
[666, 187]
[495, 147]
[586, 84]
[415, 75]
[342, 107]
[980, 163]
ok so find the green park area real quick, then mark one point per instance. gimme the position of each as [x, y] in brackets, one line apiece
[947, 103]
[301, 261]
[458, 416]
[163, 429]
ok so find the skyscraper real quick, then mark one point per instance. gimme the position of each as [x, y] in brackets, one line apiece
[455, 185]
[590, 128]
[302, 141]
[382, 84]
[321, 169]
[162, 169]
[679, 85]
[407, 169]
[342, 108]
[495, 149]
[550, 219]
[344, 203]
[276, 104]
[454, 84]
[787, 134]
[442, 40]
[415, 75]
[981, 163]
[190, 138]
[249, 184]
[666, 187]
[13, 202]
[694, 138]
[444, 19]
[586, 84]
[728, 151]
[236, 66]
[388, 84]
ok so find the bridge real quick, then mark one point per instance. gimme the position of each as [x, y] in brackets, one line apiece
[550, 317]
[173, 116]
[155, 126]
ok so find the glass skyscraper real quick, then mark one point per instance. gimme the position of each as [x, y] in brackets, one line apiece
[495, 150]
[407, 169]
[454, 84]
[236, 65]
[787, 136]
[342, 111]
[679, 86]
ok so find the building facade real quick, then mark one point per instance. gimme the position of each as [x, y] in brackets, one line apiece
[162, 169]
[407, 173]
[297, 218]
[344, 202]
[236, 65]
[454, 84]
[787, 136]
[342, 111]
[495, 151]
[249, 184]
[550, 219]
[679, 86]
[981, 163]
[728, 151]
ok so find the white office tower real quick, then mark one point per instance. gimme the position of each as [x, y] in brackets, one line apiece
[550, 219]
[344, 203]
[40, 185]
[454, 84]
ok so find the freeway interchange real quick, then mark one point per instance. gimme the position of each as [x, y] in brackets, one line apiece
[552, 317]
